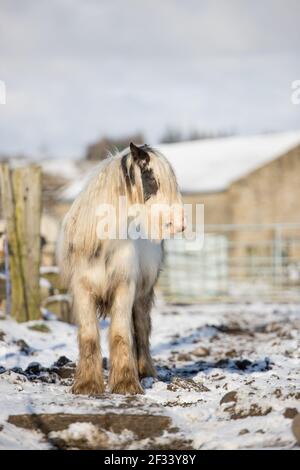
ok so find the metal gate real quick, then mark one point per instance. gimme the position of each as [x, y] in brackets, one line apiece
[236, 262]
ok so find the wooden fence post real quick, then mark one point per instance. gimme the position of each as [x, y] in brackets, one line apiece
[21, 203]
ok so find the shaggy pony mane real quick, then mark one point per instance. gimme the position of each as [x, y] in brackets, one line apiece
[117, 175]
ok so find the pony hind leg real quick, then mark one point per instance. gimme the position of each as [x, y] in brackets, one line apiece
[142, 331]
[123, 376]
[88, 377]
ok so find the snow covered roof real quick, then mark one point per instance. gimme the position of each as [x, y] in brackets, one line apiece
[212, 165]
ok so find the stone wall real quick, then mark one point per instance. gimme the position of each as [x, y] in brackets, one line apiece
[216, 207]
[268, 195]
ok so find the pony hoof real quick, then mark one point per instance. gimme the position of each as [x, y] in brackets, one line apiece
[87, 388]
[146, 370]
[127, 388]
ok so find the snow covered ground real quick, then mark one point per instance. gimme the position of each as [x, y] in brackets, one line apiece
[228, 377]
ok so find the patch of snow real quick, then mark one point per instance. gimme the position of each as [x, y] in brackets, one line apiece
[67, 168]
[92, 434]
[49, 270]
[45, 283]
[59, 298]
[77, 431]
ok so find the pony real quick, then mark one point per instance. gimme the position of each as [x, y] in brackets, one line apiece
[117, 276]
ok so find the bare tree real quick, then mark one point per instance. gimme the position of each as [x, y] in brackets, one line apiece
[100, 149]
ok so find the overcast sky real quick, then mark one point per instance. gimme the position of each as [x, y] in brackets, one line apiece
[77, 69]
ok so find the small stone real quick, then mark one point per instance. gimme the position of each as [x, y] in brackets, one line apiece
[254, 410]
[15, 378]
[243, 431]
[277, 393]
[243, 364]
[34, 368]
[296, 427]
[184, 357]
[24, 347]
[18, 370]
[222, 363]
[290, 413]
[200, 352]
[105, 363]
[62, 361]
[40, 327]
[148, 382]
[65, 372]
[48, 378]
[231, 353]
[189, 385]
[229, 397]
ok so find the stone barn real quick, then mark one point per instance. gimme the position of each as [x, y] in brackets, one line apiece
[250, 188]
[241, 180]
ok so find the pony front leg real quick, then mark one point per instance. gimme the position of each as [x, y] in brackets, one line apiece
[88, 377]
[123, 376]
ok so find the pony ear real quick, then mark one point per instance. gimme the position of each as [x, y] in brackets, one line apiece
[138, 153]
